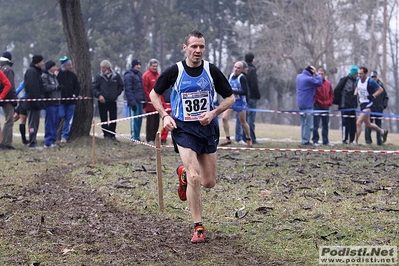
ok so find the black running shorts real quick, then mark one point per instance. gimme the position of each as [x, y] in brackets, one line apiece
[193, 135]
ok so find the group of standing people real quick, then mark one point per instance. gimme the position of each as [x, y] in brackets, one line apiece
[315, 95]
[41, 80]
[51, 83]
[108, 85]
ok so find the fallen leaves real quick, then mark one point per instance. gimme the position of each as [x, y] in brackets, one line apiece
[65, 251]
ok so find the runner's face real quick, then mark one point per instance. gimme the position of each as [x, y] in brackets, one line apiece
[194, 49]
[237, 70]
[362, 75]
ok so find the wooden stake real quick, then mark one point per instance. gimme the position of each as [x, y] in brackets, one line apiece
[159, 172]
[93, 145]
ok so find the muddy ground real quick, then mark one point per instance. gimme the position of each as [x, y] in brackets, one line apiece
[53, 219]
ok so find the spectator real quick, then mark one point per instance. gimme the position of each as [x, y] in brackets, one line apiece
[194, 131]
[8, 107]
[323, 100]
[107, 86]
[52, 90]
[20, 114]
[135, 97]
[165, 98]
[149, 79]
[253, 95]
[238, 83]
[345, 99]
[5, 85]
[367, 89]
[70, 88]
[306, 84]
[380, 103]
[34, 89]
[239, 131]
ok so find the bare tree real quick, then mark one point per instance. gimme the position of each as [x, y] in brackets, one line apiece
[78, 47]
[393, 36]
[295, 34]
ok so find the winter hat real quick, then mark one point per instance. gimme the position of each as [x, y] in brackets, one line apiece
[310, 70]
[353, 70]
[65, 61]
[49, 64]
[37, 59]
[7, 55]
[373, 73]
[135, 62]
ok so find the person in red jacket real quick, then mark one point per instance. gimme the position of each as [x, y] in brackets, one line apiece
[149, 79]
[5, 86]
[322, 101]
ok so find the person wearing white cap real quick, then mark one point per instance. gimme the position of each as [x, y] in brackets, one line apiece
[8, 107]
[70, 88]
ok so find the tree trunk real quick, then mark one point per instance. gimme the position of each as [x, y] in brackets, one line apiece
[78, 47]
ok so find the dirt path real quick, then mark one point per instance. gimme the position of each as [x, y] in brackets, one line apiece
[75, 226]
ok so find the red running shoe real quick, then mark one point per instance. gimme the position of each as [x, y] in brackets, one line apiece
[198, 236]
[181, 190]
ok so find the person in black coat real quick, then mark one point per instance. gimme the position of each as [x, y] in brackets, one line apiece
[380, 103]
[345, 99]
[70, 88]
[106, 87]
[34, 89]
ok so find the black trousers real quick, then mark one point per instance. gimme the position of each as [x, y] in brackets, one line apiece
[108, 112]
[348, 126]
[151, 128]
[33, 124]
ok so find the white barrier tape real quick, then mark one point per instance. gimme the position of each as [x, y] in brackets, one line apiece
[129, 139]
[311, 150]
[324, 113]
[279, 149]
[126, 118]
[241, 148]
[130, 117]
[47, 99]
[335, 115]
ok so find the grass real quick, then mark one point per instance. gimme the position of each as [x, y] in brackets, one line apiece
[268, 208]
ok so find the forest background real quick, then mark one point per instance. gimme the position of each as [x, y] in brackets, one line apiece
[285, 37]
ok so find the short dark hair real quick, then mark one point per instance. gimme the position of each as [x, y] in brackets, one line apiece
[365, 70]
[249, 57]
[193, 33]
[322, 70]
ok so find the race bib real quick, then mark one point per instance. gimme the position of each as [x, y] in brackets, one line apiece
[194, 104]
[363, 96]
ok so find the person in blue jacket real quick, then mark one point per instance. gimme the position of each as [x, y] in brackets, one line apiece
[20, 114]
[306, 84]
[135, 97]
